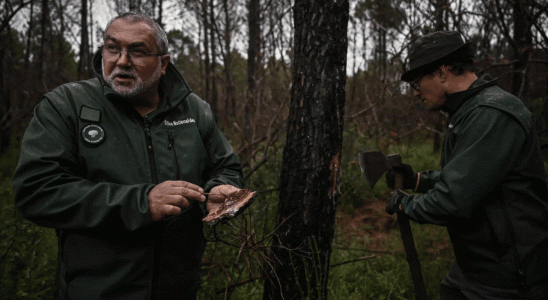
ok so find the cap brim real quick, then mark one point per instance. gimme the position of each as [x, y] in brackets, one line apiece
[417, 71]
[412, 74]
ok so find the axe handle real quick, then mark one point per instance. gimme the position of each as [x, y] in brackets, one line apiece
[410, 249]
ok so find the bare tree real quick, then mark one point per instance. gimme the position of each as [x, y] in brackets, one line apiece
[213, 48]
[44, 39]
[10, 9]
[29, 35]
[83, 63]
[310, 169]
[253, 62]
[204, 17]
[254, 43]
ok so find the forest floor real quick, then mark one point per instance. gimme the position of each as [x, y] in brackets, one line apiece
[368, 225]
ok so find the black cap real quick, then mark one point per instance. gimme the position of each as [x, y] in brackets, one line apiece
[433, 47]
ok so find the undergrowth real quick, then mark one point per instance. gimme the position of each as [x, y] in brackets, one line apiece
[28, 253]
[236, 255]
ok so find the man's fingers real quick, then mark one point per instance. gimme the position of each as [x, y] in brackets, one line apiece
[171, 210]
[225, 190]
[168, 210]
[188, 190]
[177, 200]
[216, 197]
[187, 185]
[221, 192]
[158, 212]
[169, 197]
[192, 194]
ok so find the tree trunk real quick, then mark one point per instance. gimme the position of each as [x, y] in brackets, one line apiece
[84, 44]
[60, 36]
[44, 39]
[160, 12]
[5, 133]
[213, 101]
[29, 35]
[230, 89]
[90, 41]
[441, 7]
[524, 40]
[301, 251]
[254, 44]
[207, 70]
[253, 50]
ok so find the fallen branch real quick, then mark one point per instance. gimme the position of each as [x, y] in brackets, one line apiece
[354, 260]
[235, 285]
[363, 111]
[364, 250]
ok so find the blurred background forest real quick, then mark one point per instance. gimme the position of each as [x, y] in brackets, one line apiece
[238, 56]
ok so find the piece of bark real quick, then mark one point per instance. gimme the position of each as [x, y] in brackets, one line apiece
[232, 205]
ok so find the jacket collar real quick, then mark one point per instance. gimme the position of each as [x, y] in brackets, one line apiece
[455, 100]
[173, 86]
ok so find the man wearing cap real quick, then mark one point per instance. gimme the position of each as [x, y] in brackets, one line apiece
[491, 192]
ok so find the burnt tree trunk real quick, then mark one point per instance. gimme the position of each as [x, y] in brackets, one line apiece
[300, 255]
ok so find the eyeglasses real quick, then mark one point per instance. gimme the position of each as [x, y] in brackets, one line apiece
[112, 52]
[415, 83]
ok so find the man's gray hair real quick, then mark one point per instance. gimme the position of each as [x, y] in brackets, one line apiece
[132, 17]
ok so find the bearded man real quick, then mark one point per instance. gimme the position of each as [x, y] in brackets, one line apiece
[119, 165]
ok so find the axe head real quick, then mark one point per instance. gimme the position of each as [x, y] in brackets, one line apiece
[374, 163]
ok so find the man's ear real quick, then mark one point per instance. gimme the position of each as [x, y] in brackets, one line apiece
[442, 72]
[166, 58]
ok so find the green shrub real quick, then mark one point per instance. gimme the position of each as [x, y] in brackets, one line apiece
[237, 251]
[28, 253]
[385, 274]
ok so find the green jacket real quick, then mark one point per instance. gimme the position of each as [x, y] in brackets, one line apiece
[491, 192]
[88, 161]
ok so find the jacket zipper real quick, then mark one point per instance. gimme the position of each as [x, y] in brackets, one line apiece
[150, 150]
[147, 123]
[171, 140]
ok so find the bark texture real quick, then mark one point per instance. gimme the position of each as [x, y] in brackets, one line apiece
[300, 255]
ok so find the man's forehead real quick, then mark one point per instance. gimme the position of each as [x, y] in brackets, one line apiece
[134, 32]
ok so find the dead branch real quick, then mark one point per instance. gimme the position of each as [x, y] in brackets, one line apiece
[235, 285]
[353, 260]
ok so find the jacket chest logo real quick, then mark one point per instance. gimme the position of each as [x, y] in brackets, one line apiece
[93, 134]
[179, 122]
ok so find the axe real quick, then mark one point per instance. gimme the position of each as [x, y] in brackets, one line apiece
[373, 165]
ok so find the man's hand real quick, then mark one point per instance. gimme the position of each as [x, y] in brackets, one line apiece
[409, 177]
[218, 195]
[394, 202]
[170, 197]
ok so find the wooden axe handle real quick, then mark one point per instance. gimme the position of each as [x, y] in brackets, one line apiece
[410, 249]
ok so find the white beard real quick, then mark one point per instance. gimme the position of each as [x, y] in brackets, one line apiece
[139, 88]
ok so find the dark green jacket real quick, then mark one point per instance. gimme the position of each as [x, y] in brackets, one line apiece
[88, 161]
[491, 192]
